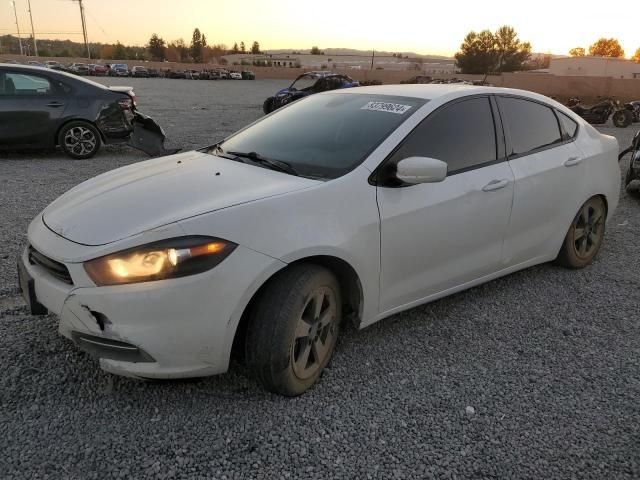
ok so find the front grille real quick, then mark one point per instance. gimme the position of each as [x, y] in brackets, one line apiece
[55, 269]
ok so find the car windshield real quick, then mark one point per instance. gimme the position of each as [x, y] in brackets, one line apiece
[304, 83]
[325, 135]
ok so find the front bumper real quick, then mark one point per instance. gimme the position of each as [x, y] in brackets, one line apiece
[181, 327]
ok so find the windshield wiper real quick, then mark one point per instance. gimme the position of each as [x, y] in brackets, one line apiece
[278, 165]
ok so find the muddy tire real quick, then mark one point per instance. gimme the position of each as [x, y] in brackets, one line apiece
[585, 235]
[293, 329]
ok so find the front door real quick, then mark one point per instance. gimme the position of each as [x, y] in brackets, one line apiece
[437, 236]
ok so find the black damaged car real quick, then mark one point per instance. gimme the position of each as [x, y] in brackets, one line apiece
[42, 108]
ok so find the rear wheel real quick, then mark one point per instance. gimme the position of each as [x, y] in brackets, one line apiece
[622, 118]
[293, 329]
[585, 235]
[79, 139]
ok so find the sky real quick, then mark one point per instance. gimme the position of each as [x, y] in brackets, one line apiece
[421, 26]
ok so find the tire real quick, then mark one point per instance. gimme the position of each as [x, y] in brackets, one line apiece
[585, 235]
[267, 106]
[296, 310]
[622, 118]
[628, 178]
[79, 140]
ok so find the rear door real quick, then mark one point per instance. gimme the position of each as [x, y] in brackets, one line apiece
[437, 236]
[31, 105]
[549, 173]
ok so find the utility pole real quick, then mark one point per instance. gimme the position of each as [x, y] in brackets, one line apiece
[373, 55]
[33, 32]
[84, 28]
[13, 2]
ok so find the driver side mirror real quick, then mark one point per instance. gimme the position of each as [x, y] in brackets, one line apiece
[415, 170]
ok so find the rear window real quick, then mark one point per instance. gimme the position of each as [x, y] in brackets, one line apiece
[569, 126]
[531, 125]
[325, 135]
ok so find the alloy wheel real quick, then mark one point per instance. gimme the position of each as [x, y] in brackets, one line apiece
[80, 141]
[588, 228]
[315, 333]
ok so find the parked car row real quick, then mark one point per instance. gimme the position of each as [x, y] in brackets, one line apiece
[428, 79]
[123, 70]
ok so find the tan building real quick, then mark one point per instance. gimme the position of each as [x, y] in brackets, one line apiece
[594, 67]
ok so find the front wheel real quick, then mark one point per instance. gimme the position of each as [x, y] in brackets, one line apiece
[585, 235]
[622, 118]
[267, 106]
[79, 140]
[293, 329]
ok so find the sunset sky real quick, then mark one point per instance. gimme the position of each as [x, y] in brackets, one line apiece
[401, 25]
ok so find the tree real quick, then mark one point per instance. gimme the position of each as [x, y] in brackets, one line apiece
[511, 52]
[177, 51]
[119, 52]
[316, 51]
[243, 49]
[196, 46]
[577, 52]
[485, 52]
[477, 53]
[606, 47]
[156, 47]
[636, 56]
[255, 48]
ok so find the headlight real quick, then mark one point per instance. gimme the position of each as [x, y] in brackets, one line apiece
[176, 257]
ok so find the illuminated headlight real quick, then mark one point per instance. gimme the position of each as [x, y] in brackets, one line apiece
[176, 257]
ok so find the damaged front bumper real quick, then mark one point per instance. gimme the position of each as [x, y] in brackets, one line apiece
[182, 327]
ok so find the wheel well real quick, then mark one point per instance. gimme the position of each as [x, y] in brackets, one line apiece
[55, 139]
[350, 290]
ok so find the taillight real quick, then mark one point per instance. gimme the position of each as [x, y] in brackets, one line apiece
[126, 104]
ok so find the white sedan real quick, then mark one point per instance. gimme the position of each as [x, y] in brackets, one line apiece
[355, 204]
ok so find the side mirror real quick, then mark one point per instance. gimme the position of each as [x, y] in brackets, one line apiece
[414, 170]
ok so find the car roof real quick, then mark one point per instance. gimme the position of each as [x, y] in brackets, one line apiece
[433, 91]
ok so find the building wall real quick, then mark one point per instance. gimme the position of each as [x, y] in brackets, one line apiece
[594, 67]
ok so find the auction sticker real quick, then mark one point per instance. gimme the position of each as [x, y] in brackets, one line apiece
[386, 107]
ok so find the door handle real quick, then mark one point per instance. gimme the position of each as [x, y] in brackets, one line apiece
[571, 161]
[495, 185]
[55, 104]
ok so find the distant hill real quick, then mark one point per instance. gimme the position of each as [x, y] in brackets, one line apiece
[353, 52]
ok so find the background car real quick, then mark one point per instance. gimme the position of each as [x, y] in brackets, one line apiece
[235, 75]
[153, 72]
[175, 74]
[97, 70]
[33, 63]
[39, 109]
[138, 71]
[308, 84]
[248, 75]
[119, 70]
[79, 68]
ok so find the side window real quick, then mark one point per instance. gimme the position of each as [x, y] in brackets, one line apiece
[530, 125]
[16, 84]
[568, 125]
[462, 135]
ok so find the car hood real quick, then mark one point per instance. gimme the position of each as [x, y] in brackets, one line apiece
[150, 194]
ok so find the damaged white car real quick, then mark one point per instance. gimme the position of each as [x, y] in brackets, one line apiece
[353, 204]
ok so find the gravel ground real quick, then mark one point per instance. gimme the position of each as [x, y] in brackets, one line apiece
[536, 375]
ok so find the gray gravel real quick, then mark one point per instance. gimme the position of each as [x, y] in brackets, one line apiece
[536, 375]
